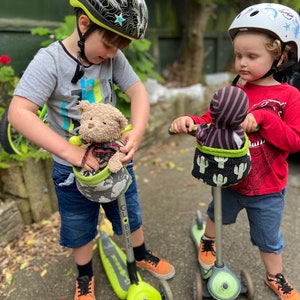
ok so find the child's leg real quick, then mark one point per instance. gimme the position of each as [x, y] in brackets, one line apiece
[137, 237]
[144, 258]
[207, 247]
[265, 215]
[274, 277]
[84, 254]
[79, 219]
[272, 262]
[209, 228]
[230, 209]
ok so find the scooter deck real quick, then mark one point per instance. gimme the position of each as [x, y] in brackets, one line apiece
[115, 266]
[197, 230]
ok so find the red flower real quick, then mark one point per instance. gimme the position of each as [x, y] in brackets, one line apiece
[4, 59]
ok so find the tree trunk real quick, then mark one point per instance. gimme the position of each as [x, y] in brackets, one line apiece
[193, 51]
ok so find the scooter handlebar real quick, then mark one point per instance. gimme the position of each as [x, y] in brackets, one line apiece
[171, 132]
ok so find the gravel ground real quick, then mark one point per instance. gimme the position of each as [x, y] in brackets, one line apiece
[170, 197]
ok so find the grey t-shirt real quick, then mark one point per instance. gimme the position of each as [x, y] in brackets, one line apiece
[47, 79]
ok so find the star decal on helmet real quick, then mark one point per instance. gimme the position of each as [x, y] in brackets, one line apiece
[119, 19]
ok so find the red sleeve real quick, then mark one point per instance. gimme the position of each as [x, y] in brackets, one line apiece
[282, 133]
[205, 118]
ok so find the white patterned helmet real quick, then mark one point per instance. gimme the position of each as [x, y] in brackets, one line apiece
[277, 20]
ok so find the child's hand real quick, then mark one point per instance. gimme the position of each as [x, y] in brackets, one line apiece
[250, 124]
[131, 140]
[184, 124]
[78, 157]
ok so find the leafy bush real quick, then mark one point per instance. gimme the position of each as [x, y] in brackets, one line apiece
[8, 81]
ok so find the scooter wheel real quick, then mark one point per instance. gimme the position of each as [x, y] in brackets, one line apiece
[197, 288]
[247, 284]
[165, 290]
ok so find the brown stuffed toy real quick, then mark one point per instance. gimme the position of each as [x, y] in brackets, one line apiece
[100, 129]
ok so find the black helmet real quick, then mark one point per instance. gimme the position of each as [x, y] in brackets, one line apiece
[128, 18]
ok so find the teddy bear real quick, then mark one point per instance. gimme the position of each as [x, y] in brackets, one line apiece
[100, 129]
[222, 156]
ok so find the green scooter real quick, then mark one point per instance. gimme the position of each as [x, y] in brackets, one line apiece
[120, 268]
[218, 282]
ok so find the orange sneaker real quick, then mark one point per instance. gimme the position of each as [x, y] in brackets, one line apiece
[84, 288]
[158, 267]
[207, 253]
[282, 288]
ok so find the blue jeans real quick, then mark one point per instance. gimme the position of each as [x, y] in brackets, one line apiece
[79, 216]
[264, 215]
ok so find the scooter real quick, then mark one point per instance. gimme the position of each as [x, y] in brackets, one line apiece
[121, 269]
[218, 282]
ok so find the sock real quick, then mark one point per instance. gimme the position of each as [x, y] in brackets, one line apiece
[271, 276]
[85, 270]
[140, 252]
[205, 237]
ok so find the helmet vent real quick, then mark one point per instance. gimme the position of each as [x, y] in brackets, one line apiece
[254, 13]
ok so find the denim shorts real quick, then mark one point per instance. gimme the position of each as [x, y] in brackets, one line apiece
[79, 216]
[264, 215]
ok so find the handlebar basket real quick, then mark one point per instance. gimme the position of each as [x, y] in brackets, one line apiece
[104, 186]
[221, 167]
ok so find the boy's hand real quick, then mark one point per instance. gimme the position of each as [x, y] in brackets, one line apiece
[131, 140]
[77, 155]
[184, 124]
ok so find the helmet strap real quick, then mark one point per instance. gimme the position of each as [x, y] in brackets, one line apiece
[235, 80]
[82, 38]
[79, 72]
[274, 68]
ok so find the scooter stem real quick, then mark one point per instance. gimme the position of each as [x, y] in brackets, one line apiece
[217, 197]
[131, 265]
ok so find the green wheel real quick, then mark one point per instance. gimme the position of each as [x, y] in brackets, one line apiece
[165, 290]
[142, 291]
[197, 288]
[223, 284]
[247, 284]
[11, 140]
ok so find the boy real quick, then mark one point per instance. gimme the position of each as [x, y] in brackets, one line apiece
[85, 66]
[265, 38]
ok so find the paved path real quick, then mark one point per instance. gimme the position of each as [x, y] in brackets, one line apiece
[170, 197]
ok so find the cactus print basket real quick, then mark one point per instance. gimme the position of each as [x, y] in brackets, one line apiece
[221, 167]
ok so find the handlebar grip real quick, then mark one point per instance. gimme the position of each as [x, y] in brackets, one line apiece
[171, 132]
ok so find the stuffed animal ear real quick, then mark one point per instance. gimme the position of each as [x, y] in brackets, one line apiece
[83, 106]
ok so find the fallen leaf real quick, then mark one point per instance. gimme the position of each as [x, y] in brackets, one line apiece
[180, 169]
[24, 265]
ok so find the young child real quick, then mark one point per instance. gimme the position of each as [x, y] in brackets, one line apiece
[265, 38]
[85, 66]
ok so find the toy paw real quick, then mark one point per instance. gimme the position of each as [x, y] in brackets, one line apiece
[114, 164]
